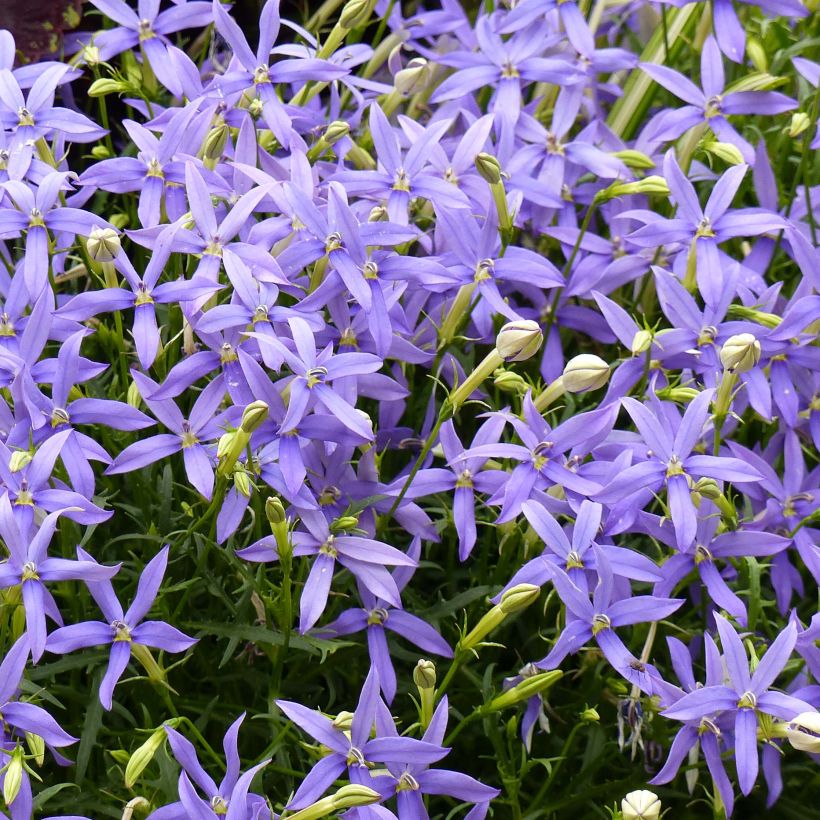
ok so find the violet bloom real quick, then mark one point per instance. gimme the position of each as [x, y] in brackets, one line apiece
[670, 461]
[711, 104]
[37, 214]
[401, 178]
[32, 486]
[122, 630]
[148, 28]
[746, 695]
[709, 733]
[193, 436]
[365, 558]
[377, 616]
[355, 749]
[144, 294]
[707, 550]
[464, 476]
[576, 554]
[28, 565]
[153, 173]
[598, 619]
[230, 799]
[35, 115]
[703, 229]
[542, 455]
[312, 374]
[254, 72]
[61, 414]
[410, 780]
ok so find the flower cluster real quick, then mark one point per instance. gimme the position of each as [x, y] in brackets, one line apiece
[482, 332]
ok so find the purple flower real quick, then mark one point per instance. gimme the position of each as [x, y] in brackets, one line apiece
[29, 566]
[123, 630]
[230, 799]
[365, 558]
[710, 104]
[746, 695]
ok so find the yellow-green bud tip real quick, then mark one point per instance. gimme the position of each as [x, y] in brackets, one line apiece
[424, 675]
[519, 597]
[488, 168]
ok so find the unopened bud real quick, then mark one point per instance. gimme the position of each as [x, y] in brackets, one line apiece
[335, 131]
[215, 141]
[424, 675]
[757, 54]
[91, 55]
[724, 150]
[356, 13]
[740, 353]
[119, 221]
[488, 167]
[519, 597]
[103, 244]
[105, 86]
[37, 747]
[585, 372]
[133, 396]
[414, 77]
[524, 690]
[519, 340]
[242, 482]
[19, 459]
[253, 415]
[508, 382]
[800, 122]
[275, 510]
[770, 320]
[634, 159]
[378, 213]
[343, 721]
[100, 152]
[344, 522]
[641, 805]
[354, 795]
[13, 776]
[641, 342]
[143, 756]
[708, 488]
[648, 185]
[803, 732]
[223, 446]
[590, 715]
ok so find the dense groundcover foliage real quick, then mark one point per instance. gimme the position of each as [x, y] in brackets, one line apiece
[412, 411]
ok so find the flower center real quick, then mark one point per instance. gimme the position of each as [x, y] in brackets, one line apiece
[333, 242]
[327, 548]
[747, 701]
[509, 71]
[554, 145]
[154, 169]
[712, 107]
[219, 804]
[25, 117]
[484, 270]
[377, 616]
[59, 416]
[702, 554]
[674, 467]
[30, 572]
[370, 270]
[143, 297]
[574, 561]
[145, 31]
[316, 375]
[355, 757]
[122, 632]
[407, 783]
[261, 74]
[600, 622]
[6, 325]
[465, 479]
[402, 181]
[704, 228]
[35, 218]
[189, 439]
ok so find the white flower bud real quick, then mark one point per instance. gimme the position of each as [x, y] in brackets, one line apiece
[585, 372]
[103, 244]
[519, 341]
[641, 805]
[414, 77]
[641, 342]
[740, 353]
[803, 732]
